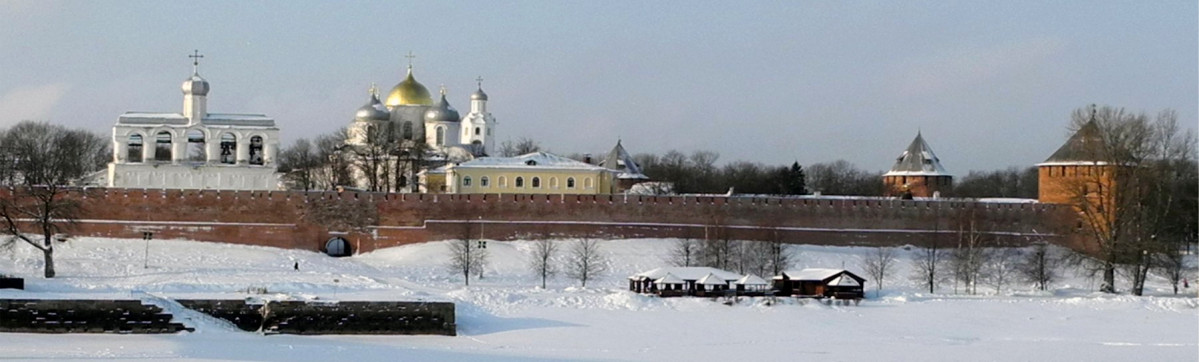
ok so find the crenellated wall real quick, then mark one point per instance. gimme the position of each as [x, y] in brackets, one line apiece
[274, 218]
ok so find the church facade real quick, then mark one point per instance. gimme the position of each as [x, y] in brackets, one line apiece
[194, 149]
[391, 142]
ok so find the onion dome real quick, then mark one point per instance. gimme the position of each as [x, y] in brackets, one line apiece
[478, 95]
[409, 92]
[195, 85]
[373, 110]
[442, 111]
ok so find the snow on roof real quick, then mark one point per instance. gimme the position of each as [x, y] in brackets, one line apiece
[669, 279]
[711, 279]
[751, 279]
[844, 281]
[810, 274]
[536, 159]
[687, 273]
[917, 160]
[620, 160]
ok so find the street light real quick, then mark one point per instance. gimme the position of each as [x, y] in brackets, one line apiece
[146, 261]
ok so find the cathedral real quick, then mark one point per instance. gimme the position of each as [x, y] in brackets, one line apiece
[390, 143]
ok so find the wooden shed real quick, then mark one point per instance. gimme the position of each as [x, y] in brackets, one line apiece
[820, 283]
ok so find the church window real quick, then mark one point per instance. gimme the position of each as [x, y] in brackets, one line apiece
[441, 136]
[554, 182]
[503, 181]
[484, 181]
[520, 181]
[570, 182]
[228, 148]
[197, 150]
[134, 148]
[407, 130]
[256, 150]
[162, 146]
[536, 182]
[476, 131]
[466, 181]
[587, 183]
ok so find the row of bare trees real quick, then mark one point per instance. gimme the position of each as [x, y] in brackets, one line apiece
[1138, 202]
[584, 260]
[719, 250]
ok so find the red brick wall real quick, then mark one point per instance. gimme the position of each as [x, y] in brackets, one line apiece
[274, 218]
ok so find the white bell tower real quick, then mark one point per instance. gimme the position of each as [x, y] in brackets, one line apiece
[478, 126]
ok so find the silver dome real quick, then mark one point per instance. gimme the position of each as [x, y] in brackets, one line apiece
[195, 85]
[478, 95]
[441, 112]
[372, 111]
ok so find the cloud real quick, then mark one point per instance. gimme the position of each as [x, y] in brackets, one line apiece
[32, 103]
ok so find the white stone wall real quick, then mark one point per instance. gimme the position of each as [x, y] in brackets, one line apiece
[210, 177]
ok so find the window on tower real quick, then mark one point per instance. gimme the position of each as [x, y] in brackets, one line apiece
[441, 136]
[134, 148]
[476, 131]
[256, 150]
[228, 148]
[162, 146]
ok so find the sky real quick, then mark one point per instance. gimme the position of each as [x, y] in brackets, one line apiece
[989, 84]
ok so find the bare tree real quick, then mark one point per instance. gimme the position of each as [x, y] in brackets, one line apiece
[467, 256]
[925, 267]
[877, 265]
[1039, 266]
[586, 261]
[522, 146]
[299, 165]
[684, 252]
[335, 161]
[373, 157]
[998, 267]
[966, 260]
[45, 160]
[541, 260]
[1124, 195]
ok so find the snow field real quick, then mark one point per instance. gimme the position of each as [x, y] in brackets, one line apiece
[507, 316]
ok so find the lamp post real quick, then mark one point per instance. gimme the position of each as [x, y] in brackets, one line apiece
[146, 260]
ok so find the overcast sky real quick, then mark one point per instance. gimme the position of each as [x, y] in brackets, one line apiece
[991, 84]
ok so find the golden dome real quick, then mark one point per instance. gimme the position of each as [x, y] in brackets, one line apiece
[409, 92]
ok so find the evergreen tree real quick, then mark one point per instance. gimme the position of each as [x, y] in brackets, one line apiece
[796, 185]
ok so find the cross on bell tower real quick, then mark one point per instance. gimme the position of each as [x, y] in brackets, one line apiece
[479, 80]
[195, 60]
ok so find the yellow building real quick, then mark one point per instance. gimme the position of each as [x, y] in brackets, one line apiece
[534, 173]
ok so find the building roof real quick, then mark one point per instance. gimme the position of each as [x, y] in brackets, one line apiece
[214, 119]
[537, 159]
[844, 281]
[619, 160]
[751, 279]
[918, 160]
[669, 279]
[687, 273]
[817, 274]
[1084, 147]
[711, 279]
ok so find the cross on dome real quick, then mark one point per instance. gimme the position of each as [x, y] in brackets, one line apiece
[195, 60]
[479, 80]
[410, 57]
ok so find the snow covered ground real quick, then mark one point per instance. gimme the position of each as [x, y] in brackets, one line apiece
[505, 317]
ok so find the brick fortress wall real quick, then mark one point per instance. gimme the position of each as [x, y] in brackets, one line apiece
[275, 218]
